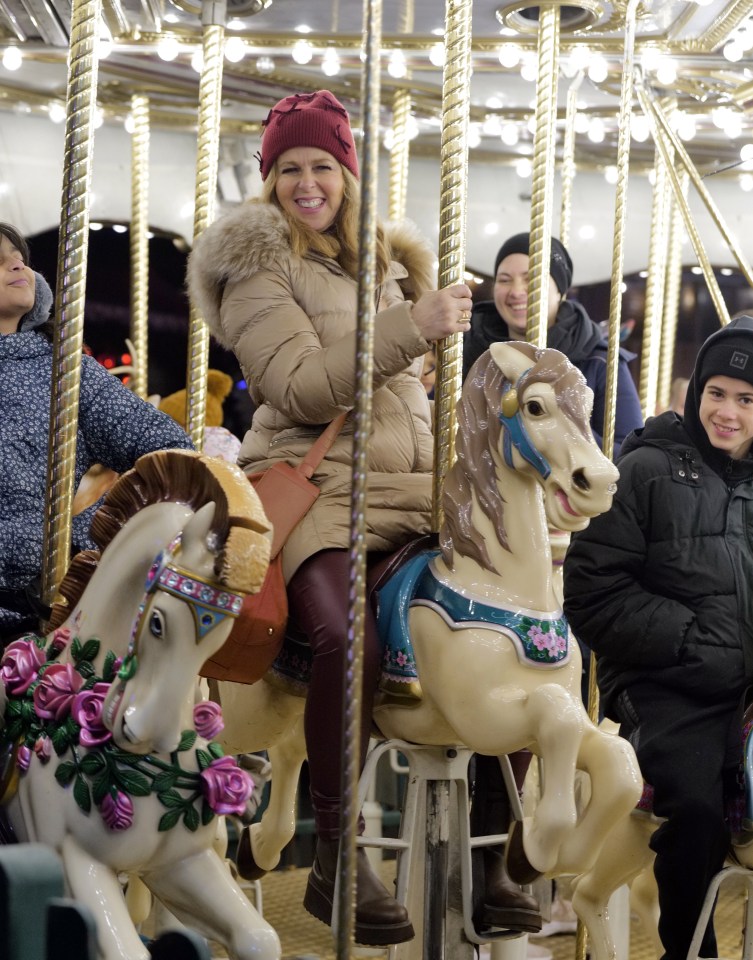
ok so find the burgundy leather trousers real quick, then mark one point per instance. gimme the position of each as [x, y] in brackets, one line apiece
[318, 601]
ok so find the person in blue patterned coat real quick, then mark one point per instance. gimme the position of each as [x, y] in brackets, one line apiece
[115, 428]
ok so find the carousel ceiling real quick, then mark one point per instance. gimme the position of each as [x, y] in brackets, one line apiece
[694, 57]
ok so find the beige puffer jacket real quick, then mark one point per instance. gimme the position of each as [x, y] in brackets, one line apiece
[291, 322]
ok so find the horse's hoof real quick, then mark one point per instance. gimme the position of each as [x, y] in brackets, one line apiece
[245, 863]
[519, 867]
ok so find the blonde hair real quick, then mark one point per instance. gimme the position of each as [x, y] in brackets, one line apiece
[340, 242]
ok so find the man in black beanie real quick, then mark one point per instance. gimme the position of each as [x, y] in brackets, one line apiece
[661, 589]
[571, 330]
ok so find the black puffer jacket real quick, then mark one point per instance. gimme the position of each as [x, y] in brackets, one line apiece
[661, 586]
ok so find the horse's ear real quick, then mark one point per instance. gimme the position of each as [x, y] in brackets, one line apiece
[512, 358]
[194, 544]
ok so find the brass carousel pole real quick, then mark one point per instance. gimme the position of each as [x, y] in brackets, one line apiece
[139, 242]
[700, 186]
[456, 85]
[544, 160]
[370, 91]
[695, 238]
[671, 297]
[70, 288]
[400, 153]
[568, 159]
[655, 283]
[615, 314]
[210, 102]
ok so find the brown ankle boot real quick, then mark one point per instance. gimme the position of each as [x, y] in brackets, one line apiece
[503, 903]
[380, 920]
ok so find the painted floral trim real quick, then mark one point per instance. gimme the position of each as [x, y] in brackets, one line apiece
[544, 640]
[58, 707]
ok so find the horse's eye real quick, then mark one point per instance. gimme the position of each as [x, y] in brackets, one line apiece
[535, 408]
[157, 624]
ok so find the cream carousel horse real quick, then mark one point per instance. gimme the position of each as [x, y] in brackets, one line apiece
[496, 668]
[110, 759]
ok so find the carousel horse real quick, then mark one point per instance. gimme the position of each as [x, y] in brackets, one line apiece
[109, 758]
[496, 670]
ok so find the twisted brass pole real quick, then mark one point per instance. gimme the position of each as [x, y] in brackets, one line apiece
[452, 213]
[568, 159]
[400, 155]
[207, 159]
[657, 265]
[353, 683]
[70, 289]
[692, 230]
[544, 160]
[139, 243]
[671, 297]
[700, 186]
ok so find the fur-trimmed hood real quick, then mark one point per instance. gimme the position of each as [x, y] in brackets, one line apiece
[255, 236]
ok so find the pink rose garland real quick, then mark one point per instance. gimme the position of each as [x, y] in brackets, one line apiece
[55, 692]
[20, 665]
[87, 712]
[207, 719]
[226, 787]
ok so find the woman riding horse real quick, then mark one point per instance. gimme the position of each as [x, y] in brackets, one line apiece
[276, 280]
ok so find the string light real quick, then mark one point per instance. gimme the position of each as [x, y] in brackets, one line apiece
[437, 54]
[330, 62]
[12, 58]
[235, 49]
[509, 134]
[168, 49]
[396, 65]
[302, 51]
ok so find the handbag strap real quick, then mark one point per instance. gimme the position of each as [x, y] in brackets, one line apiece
[320, 447]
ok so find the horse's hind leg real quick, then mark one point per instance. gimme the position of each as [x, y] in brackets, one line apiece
[200, 892]
[98, 888]
[616, 786]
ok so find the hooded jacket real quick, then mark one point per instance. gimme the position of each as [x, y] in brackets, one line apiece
[291, 322]
[659, 587]
[115, 428]
[577, 336]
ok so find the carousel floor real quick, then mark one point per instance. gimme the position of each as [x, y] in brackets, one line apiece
[304, 938]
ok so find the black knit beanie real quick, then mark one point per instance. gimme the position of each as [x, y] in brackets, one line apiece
[731, 357]
[560, 264]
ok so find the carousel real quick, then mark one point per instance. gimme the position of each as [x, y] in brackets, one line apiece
[133, 809]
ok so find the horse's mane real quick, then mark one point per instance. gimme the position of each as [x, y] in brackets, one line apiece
[239, 526]
[478, 434]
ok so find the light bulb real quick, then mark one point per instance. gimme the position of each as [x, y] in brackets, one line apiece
[598, 69]
[746, 182]
[396, 65]
[56, 112]
[611, 174]
[587, 232]
[168, 48]
[265, 65]
[523, 167]
[509, 55]
[330, 63]
[197, 60]
[437, 54]
[12, 58]
[302, 52]
[529, 68]
[235, 49]
[596, 131]
[733, 51]
[640, 128]
[509, 134]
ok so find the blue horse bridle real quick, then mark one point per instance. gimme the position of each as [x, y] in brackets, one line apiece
[515, 434]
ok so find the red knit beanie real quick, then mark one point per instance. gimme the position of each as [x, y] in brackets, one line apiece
[308, 120]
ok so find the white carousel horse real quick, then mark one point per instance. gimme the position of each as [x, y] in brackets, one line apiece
[502, 674]
[109, 758]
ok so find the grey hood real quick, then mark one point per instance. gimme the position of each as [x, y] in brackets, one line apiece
[40, 312]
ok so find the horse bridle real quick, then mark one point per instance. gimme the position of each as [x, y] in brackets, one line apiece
[209, 602]
[515, 433]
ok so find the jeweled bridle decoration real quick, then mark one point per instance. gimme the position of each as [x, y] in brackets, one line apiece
[516, 435]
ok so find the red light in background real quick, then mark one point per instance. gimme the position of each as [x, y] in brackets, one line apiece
[108, 363]
[126, 358]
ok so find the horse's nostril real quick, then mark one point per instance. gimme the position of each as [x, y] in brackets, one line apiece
[580, 480]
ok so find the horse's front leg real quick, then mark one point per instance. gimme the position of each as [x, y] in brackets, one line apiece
[267, 838]
[616, 786]
[557, 720]
[624, 855]
[98, 887]
[200, 892]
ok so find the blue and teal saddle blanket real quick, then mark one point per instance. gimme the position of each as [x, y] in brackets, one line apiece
[540, 640]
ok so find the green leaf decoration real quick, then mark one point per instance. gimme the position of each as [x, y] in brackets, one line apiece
[171, 798]
[164, 781]
[93, 763]
[187, 740]
[60, 740]
[203, 758]
[14, 731]
[13, 708]
[216, 750]
[191, 819]
[130, 781]
[76, 649]
[85, 669]
[124, 759]
[207, 814]
[81, 794]
[65, 772]
[100, 788]
[168, 820]
[89, 651]
[108, 673]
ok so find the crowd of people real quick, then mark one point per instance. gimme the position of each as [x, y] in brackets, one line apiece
[657, 587]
